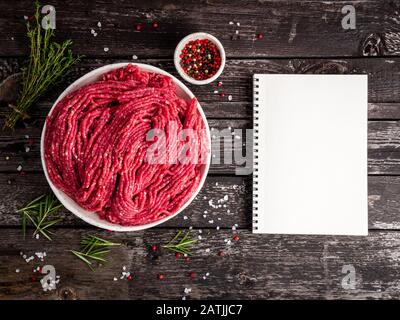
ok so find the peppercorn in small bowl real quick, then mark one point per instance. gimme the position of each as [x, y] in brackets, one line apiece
[199, 58]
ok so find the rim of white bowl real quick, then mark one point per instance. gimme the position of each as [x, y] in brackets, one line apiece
[181, 45]
[92, 217]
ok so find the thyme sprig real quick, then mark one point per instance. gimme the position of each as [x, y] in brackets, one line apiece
[181, 244]
[38, 212]
[93, 249]
[48, 63]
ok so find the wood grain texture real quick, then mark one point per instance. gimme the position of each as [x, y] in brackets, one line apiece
[256, 266]
[383, 82]
[16, 190]
[383, 147]
[300, 37]
[383, 201]
[290, 28]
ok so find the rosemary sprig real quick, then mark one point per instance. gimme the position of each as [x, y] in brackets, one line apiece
[180, 244]
[38, 212]
[48, 63]
[93, 248]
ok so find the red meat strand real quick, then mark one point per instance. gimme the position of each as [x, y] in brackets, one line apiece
[95, 147]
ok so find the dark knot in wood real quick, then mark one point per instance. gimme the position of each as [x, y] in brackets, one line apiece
[68, 294]
[373, 45]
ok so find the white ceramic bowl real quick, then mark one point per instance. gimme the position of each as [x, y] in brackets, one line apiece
[92, 217]
[181, 45]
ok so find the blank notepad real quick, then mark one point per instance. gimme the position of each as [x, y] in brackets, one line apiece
[310, 154]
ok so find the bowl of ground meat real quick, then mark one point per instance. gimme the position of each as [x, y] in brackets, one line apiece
[126, 147]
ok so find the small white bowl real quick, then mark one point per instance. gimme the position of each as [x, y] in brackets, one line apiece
[181, 45]
[92, 217]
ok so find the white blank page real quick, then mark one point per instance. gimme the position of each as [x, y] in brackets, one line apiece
[312, 154]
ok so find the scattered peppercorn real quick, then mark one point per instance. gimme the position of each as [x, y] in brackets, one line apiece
[155, 24]
[192, 275]
[178, 254]
[219, 83]
[130, 278]
[139, 26]
[221, 253]
[154, 248]
[222, 94]
[160, 276]
[236, 238]
[200, 59]
[260, 36]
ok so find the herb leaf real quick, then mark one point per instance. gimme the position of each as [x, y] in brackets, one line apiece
[48, 63]
[93, 248]
[38, 212]
[181, 245]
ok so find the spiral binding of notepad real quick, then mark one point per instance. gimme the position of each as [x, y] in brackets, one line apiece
[255, 151]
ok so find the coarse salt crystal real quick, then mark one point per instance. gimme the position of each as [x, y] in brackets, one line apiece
[210, 221]
[134, 57]
[106, 49]
[187, 290]
[185, 217]
[217, 228]
[19, 168]
[199, 237]
[92, 31]
[238, 24]
[230, 97]
[230, 22]
[99, 24]
[226, 197]
[17, 270]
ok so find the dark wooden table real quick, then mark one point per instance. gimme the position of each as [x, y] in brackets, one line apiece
[299, 37]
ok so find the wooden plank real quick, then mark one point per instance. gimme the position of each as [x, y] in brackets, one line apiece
[16, 190]
[290, 28]
[255, 267]
[383, 148]
[383, 200]
[384, 95]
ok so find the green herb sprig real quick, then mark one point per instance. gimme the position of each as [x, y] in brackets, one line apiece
[95, 249]
[38, 212]
[48, 63]
[181, 244]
